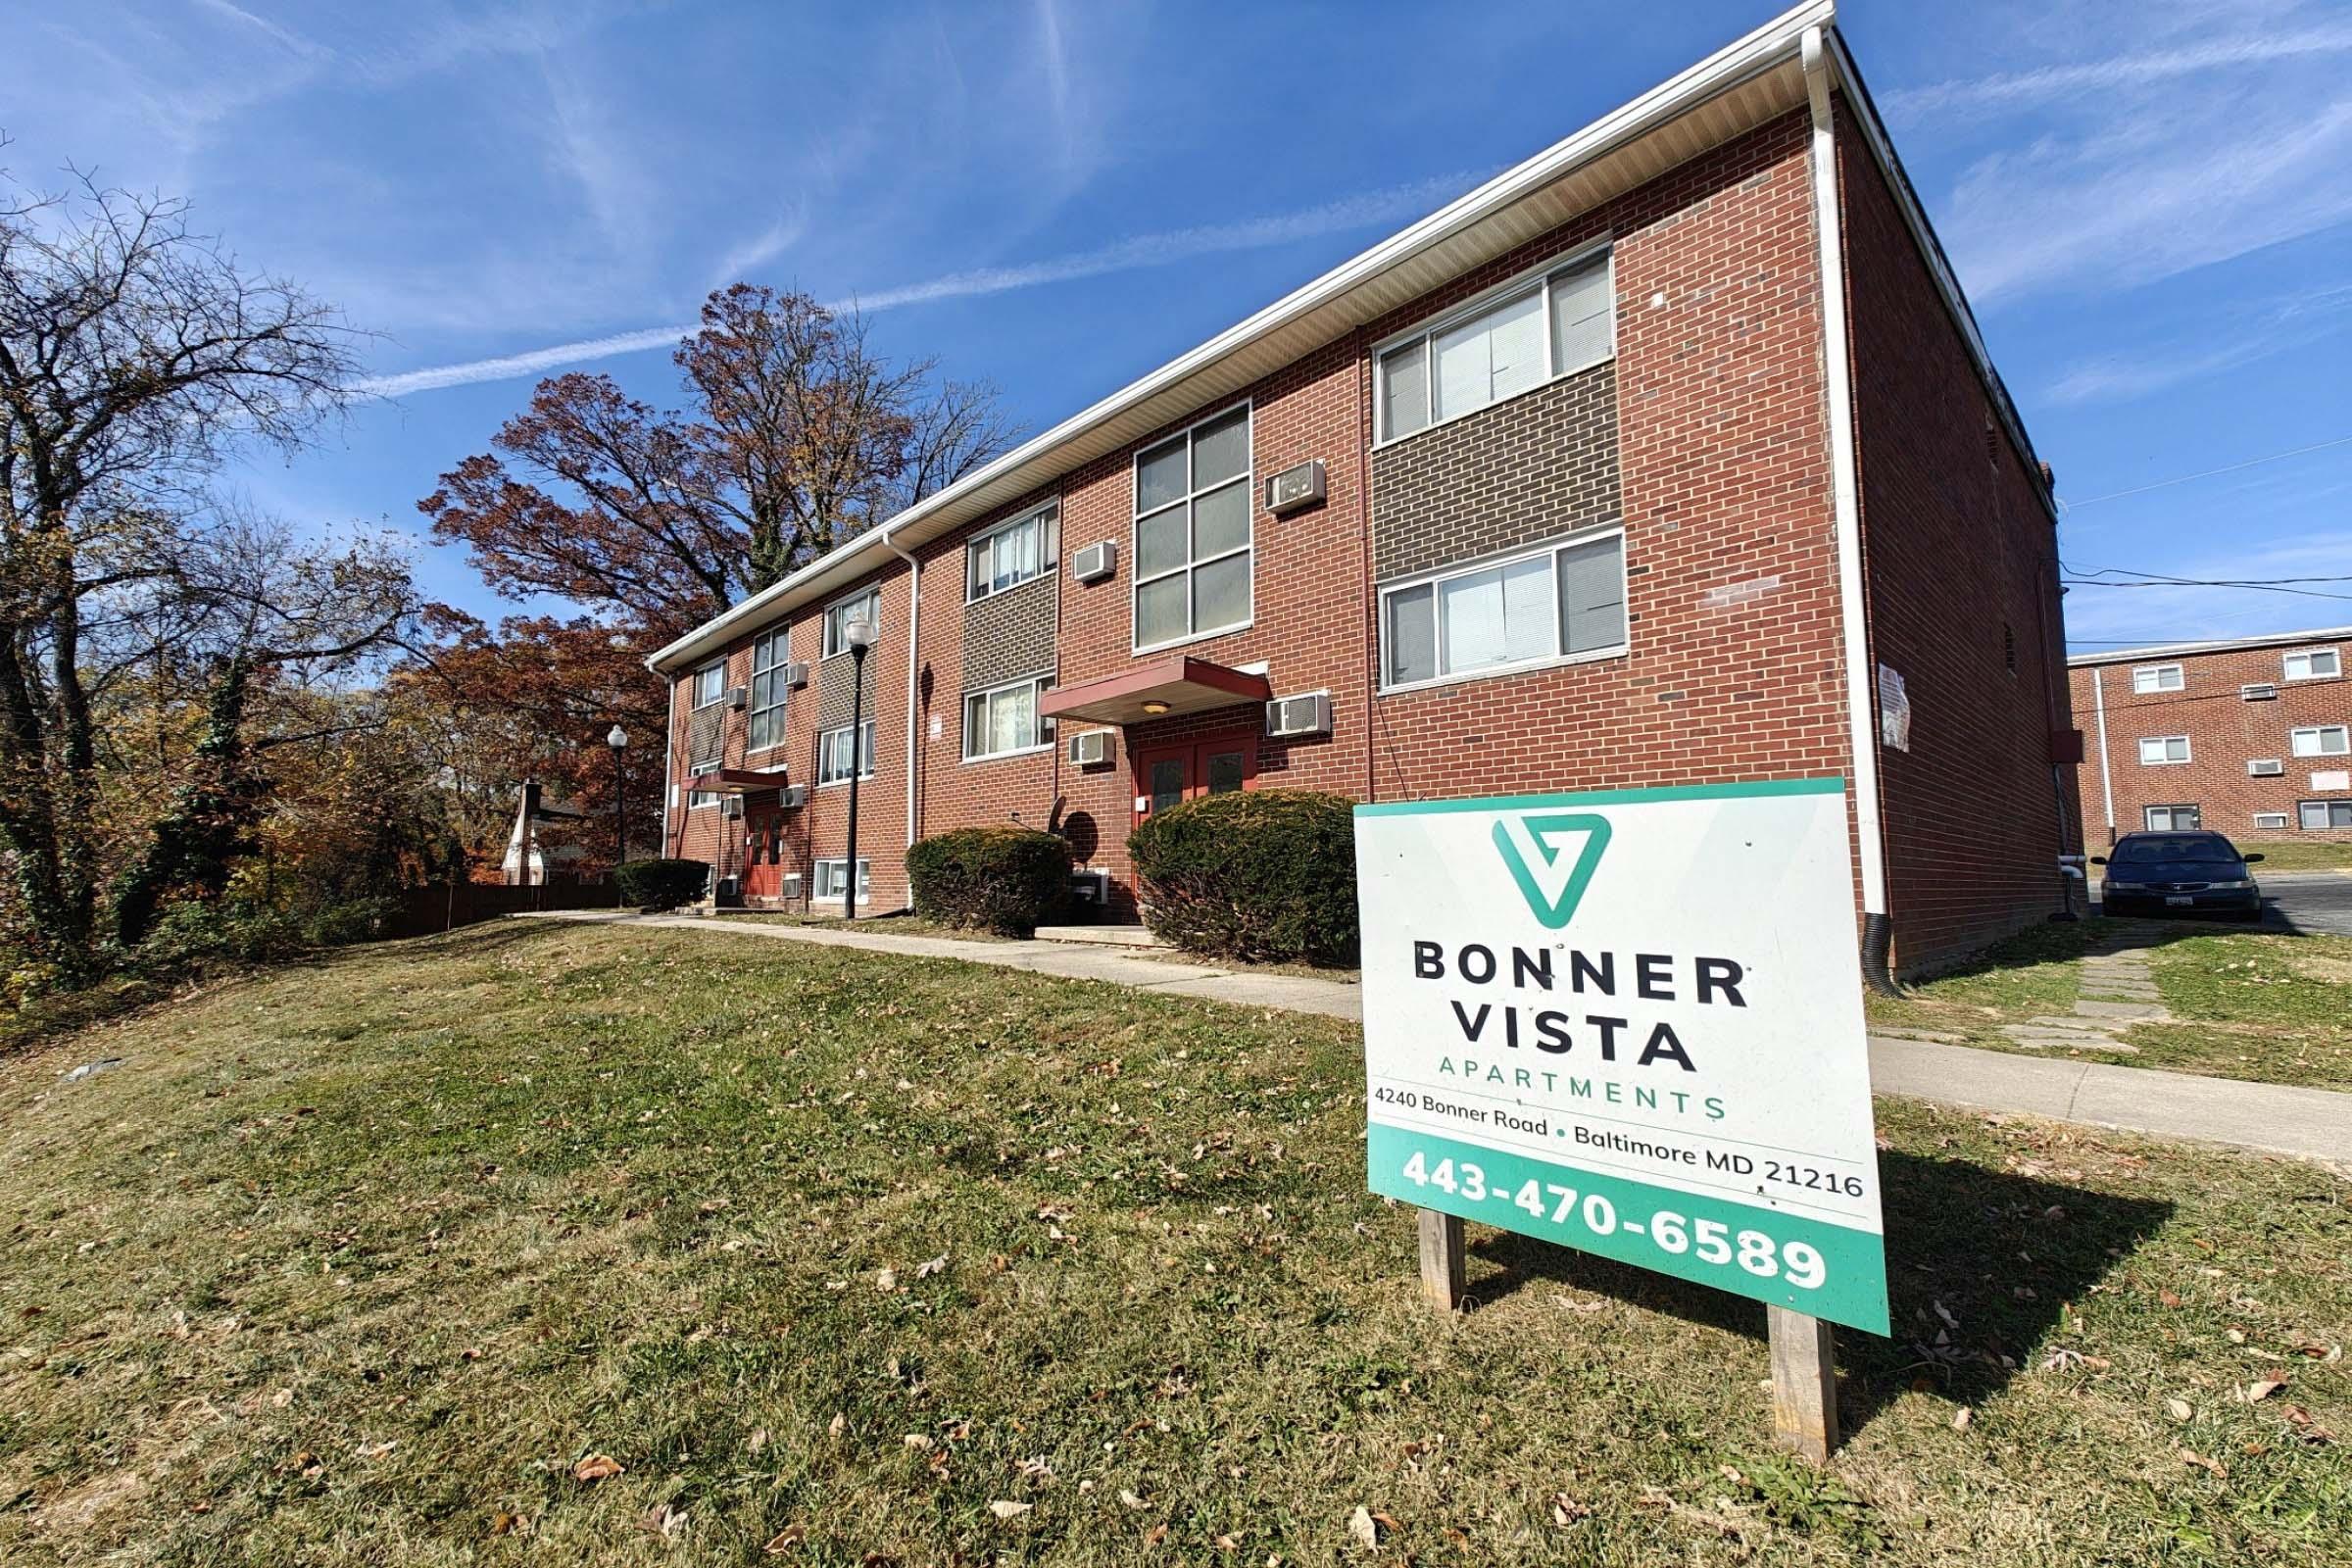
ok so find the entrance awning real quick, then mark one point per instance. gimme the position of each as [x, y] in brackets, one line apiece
[1156, 689]
[736, 781]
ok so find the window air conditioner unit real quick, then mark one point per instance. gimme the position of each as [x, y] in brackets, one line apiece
[1096, 561]
[793, 797]
[796, 674]
[1090, 889]
[1090, 749]
[1294, 488]
[730, 805]
[2259, 691]
[789, 886]
[739, 698]
[1309, 714]
[2266, 767]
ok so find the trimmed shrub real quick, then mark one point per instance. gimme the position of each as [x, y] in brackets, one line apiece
[1255, 874]
[351, 920]
[662, 884]
[199, 938]
[1004, 879]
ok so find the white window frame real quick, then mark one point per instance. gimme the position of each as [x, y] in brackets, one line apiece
[697, 799]
[865, 756]
[1439, 576]
[1046, 520]
[835, 867]
[2326, 812]
[2287, 669]
[2156, 674]
[779, 646]
[2274, 819]
[2148, 817]
[2165, 741]
[2320, 734]
[1506, 292]
[1246, 479]
[719, 693]
[1044, 725]
[835, 622]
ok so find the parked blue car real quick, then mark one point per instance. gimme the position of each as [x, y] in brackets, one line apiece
[2178, 873]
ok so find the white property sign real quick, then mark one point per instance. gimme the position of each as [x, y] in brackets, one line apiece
[1629, 1022]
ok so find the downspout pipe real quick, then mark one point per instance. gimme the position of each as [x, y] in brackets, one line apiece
[2098, 690]
[914, 665]
[669, 743]
[1861, 706]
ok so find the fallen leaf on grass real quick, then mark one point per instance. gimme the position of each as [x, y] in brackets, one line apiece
[887, 1281]
[1009, 1510]
[598, 1467]
[1566, 1510]
[2264, 1387]
[2178, 1409]
[2169, 1297]
[509, 1524]
[1131, 1500]
[930, 1266]
[282, 1399]
[2306, 1428]
[784, 1540]
[2193, 1456]
[1362, 1528]
[1961, 1417]
[835, 1427]
[916, 1439]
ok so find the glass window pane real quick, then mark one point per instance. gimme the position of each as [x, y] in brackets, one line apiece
[1465, 373]
[1012, 718]
[1224, 772]
[2313, 813]
[1221, 521]
[1159, 543]
[1412, 635]
[1167, 783]
[1527, 609]
[1160, 476]
[1583, 312]
[1405, 389]
[1592, 596]
[1472, 606]
[1221, 593]
[1221, 450]
[975, 723]
[1515, 339]
[1160, 611]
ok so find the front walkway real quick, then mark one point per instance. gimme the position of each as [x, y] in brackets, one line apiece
[2309, 1123]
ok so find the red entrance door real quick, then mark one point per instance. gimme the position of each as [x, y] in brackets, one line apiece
[762, 853]
[1166, 775]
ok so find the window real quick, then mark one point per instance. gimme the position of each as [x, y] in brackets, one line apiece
[2270, 819]
[866, 606]
[2156, 750]
[1004, 719]
[2319, 740]
[1007, 557]
[2170, 820]
[710, 684]
[1531, 332]
[2157, 678]
[1193, 533]
[1566, 600]
[833, 754]
[765, 722]
[696, 798]
[2317, 816]
[832, 875]
[2312, 664]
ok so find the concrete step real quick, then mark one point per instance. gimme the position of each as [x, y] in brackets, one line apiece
[2120, 1010]
[1100, 936]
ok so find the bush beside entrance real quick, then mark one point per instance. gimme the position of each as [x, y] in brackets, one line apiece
[662, 884]
[1010, 880]
[1266, 875]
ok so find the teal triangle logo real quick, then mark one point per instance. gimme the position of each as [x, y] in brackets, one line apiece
[1546, 861]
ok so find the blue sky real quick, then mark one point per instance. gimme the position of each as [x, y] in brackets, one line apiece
[2149, 204]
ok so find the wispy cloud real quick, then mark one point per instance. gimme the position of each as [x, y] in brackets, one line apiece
[2162, 613]
[2010, 89]
[1140, 251]
[761, 249]
[2210, 345]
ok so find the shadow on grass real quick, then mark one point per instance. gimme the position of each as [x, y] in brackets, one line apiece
[1967, 1308]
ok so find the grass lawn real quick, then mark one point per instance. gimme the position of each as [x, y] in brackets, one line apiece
[886, 1260]
[2259, 1005]
[2301, 855]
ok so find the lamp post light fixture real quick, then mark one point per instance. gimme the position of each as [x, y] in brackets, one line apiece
[619, 739]
[860, 635]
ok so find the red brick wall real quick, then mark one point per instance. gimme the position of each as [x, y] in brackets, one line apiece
[1960, 557]
[2225, 731]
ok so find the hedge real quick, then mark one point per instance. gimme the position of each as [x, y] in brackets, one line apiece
[662, 884]
[1255, 874]
[1004, 879]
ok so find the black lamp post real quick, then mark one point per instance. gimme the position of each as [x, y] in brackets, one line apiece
[619, 739]
[860, 635]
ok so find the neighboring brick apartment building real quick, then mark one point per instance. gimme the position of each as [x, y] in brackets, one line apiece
[1650, 461]
[2251, 737]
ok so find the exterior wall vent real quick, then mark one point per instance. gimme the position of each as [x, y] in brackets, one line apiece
[1309, 714]
[2266, 767]
[2259, 691]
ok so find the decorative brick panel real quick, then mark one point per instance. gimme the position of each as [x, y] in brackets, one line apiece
[1010, 634]
[836, 691]
[705, 731]
[1529, 468]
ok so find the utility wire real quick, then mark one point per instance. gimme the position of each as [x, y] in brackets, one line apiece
[2207, 474]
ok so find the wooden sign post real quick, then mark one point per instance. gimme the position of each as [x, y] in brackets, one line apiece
[1629, 1022]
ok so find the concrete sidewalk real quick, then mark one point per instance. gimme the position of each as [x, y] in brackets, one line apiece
[2309, 1123]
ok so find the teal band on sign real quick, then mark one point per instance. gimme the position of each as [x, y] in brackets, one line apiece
[1833, 785]
[1851, 1263]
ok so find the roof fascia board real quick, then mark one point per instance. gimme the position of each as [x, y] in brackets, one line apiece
[1768, 46]
[2222, 645]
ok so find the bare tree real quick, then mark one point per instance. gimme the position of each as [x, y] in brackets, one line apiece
[134, 355]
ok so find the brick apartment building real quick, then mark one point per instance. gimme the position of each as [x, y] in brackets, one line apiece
[2251, 737]
[1672, 455]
